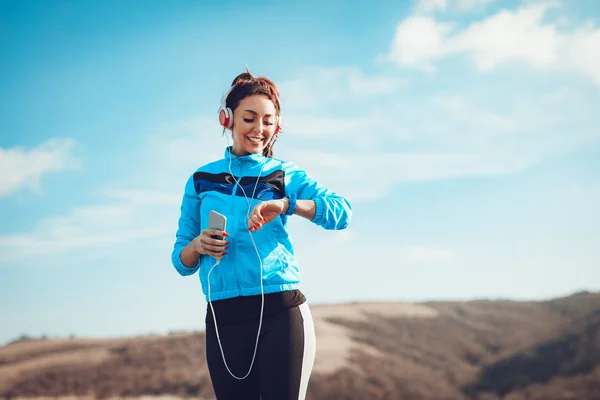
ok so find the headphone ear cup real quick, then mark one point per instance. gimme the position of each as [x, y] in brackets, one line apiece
[223, 117]
[230, 118]
[226, 117]
[225, 113]
[278, 124]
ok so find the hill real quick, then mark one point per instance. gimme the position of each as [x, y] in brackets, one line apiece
[481, 349]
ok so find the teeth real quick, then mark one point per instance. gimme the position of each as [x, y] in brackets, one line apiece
[255, 140]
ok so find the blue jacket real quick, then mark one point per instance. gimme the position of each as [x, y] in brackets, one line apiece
[211, 187]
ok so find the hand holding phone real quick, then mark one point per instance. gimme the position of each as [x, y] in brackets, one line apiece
[217, 221]
[208, 242]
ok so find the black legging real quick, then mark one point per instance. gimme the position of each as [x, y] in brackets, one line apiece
[284, 358]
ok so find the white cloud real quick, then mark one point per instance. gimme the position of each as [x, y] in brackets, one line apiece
[512, 36]
[459, 110]
[582, 52]
[308, 125]
[523, 35]
[345, 236]
[317, 87]
[471, 5]
[31, 246]
[365, 177]
[427, 6]
[175, 150]
[142, 196]
[426, 255]
[124, 212]
[447, 135]
[418, 41]
[23, 168]
[121, 216]
[432, 6]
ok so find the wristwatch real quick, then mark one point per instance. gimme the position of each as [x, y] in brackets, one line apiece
[292, 204]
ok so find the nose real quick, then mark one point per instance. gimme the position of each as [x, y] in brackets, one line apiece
[259, 126]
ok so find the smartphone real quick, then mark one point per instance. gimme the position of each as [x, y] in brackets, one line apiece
[217, 221]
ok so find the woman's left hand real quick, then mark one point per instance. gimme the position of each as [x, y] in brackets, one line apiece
[265, 212]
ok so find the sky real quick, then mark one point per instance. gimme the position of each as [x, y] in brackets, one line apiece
[465, 133]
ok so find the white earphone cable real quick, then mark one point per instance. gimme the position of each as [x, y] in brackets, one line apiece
[262, 306]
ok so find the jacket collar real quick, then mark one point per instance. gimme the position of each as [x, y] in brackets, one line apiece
[250, 158]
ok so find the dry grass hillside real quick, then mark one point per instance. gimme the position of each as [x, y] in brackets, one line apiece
[438, 350]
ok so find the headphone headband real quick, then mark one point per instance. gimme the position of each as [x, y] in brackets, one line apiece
[225, 95]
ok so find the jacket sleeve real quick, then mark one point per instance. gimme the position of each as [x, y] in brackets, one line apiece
[188, 227]
[333, 212]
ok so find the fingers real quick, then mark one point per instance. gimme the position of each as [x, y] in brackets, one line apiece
[214, 234]
[215, 254]
[212, 245]
[264, 213]
[255, 221]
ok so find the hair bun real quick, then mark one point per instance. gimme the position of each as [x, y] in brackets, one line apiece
[244, 77]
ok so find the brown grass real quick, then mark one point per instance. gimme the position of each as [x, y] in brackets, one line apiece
[440, 350]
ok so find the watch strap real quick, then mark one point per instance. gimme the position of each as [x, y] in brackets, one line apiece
[292, 204]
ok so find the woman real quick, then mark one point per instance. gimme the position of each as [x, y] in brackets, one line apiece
[260, 339]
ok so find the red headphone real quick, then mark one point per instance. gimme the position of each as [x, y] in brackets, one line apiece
[226, 114]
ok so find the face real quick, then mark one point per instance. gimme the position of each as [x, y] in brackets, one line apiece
[254, 123]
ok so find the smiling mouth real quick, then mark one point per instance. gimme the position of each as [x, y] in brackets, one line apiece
[255, 140]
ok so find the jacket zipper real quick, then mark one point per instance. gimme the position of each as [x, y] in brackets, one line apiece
[233, 248]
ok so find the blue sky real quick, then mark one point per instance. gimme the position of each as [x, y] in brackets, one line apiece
[466, 133]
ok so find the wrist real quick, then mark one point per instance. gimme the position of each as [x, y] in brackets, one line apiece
[291, 201]
[286, 205]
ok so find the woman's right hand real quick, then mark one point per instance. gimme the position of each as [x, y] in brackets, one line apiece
[206, 245]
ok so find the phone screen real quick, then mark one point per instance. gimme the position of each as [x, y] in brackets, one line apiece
[217, 221]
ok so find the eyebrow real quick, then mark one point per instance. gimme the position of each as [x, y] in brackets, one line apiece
[255, 113]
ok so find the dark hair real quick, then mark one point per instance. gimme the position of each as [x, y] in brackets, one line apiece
[245, 85]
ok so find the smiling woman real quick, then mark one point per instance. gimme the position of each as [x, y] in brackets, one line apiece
[260, 339]
[256, 101]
